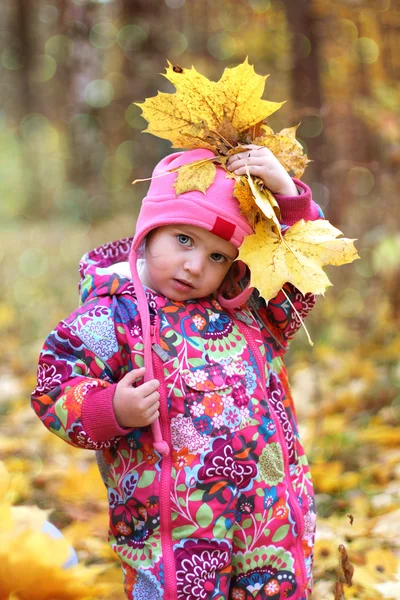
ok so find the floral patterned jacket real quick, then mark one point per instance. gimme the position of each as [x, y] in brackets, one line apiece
[230, 512]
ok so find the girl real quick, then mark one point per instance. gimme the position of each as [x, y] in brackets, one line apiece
[172, 369]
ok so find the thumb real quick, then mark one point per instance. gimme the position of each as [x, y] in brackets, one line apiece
[134, 375]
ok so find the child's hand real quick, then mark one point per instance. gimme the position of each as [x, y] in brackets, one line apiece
[263, 164]
[136, 406]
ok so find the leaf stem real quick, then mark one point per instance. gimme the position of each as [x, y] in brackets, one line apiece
[298, 314]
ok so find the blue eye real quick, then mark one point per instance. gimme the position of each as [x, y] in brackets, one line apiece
[216, 257]
[185, 240]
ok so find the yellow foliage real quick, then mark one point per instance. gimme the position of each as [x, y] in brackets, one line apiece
[199, 175]
[381, 434]
[298, 258]
[201, 113]
[78, 486]
[326, 476]
[265, 201]
[285, 147]
[223, 116]
[380, 565]
[31, 563]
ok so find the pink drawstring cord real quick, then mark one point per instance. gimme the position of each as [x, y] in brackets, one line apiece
[159, 444]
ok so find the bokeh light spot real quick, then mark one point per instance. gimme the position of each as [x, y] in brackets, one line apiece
[99, 93]
[33, 262]
[51, 172]
[70, 199]
[386, 254]
[320, 193]
[85, 122]
[134, 118]
[44, 70]
[382, 5]
[172, 43]
[365, 50]
[221, 46]
[338, 69]
[39, 133]
[311, 126]
[48, 13]
[103, 35]
[124, 154]
[175, 3]
[364, 266]
[259, 6]
[350, 303]
[345, 31]
[11, 58]
[303, 45]
[233, 17]
[130, 37]
[58, 47]
[360, 181]
[114, 173]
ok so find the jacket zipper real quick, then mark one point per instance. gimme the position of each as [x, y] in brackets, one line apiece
[292, 496]
[165, 479]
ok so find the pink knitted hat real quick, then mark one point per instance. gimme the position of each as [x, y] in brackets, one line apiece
[217, 211]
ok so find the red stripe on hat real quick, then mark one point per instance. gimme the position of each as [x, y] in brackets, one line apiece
[223, 229]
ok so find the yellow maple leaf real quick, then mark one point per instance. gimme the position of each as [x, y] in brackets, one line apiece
[298, 259]
[201, 108]
[285, 147]
[264, 199]
[198, 175]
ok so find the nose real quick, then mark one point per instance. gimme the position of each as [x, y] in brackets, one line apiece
[194, 264]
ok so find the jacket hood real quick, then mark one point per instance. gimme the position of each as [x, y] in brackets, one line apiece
[105, 271]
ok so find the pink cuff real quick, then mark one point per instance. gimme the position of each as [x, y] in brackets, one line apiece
[98, 417]
[294, 208]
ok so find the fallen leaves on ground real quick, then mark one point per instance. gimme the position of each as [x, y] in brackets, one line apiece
[346, 394]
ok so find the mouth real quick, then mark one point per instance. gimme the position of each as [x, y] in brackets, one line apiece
[184, 284]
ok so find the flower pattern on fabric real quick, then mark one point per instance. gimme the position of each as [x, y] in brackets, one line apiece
[271, 464]
[186, 435]
[227, 470]
[200, 566]
[96, 329]
[220, 324]
[216, 396]
[146, 587]
[266, 573]
[277, 396]
[49, 376]
[224, 468]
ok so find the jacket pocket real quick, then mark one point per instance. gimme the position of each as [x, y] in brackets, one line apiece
[217, 398]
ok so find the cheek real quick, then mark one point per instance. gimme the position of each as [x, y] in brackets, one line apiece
[216, 276]
[159, 264]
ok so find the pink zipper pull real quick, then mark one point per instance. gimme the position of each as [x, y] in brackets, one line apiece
[159, 444]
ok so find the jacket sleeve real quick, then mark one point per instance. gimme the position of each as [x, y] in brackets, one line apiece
[279, 316]
[75, 384]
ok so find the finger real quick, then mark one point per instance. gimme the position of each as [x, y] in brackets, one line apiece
[134, 375]
[253, 161]
[151, 400]
[252, 169]
[153, 417]
[145, 389]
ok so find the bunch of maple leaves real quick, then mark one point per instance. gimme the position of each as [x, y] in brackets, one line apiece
[224, 117]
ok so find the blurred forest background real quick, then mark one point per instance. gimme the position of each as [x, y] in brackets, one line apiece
[70, 145]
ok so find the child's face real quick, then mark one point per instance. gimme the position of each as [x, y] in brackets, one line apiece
[184, 262]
